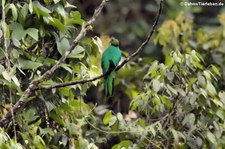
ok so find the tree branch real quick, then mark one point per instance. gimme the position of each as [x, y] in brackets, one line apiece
[140, 48]
[34, 84]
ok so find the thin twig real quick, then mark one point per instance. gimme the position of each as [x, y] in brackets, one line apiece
[145, 42]
[140, 48]
[34, 84]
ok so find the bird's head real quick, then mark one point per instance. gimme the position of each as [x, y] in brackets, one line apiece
[115, 41]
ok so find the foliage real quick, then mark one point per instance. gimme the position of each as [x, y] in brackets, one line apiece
[178, 103]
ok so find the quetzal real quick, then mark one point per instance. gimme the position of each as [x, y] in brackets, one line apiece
[110, 60]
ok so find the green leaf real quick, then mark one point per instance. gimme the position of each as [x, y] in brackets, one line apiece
[207, 74]
[6, 75]
[13, 10]
[57, 23]
[75, 18]
[7, 30]
[222, 96]
[218, 102]
[46, 131]
[198, 65]
[112, 120]
[38, 142]
[63, 45]
[119, 116]
[17, 31]
[211, 137]
[220, 114]
[30, 115]
[175, 134]
[125, 144]
[216, 70]
[176, 58]
[31, 7]
[68, 5]
[40, 10]
[199, 56]
[156, 85]
[171, 89]
[16, 81]
[2, 54]
[56, 118]
[170, 76]
[56, 1]
[2, 68]
[210, 88]
[201, 80]
[3, 2]
[76, 52]
[15, 54]
[47, 1]
[152, 130]
[33, 32]
[60, 9]
[107, 117]
[23, 13]
[73, 129]
[66, 67]
[27, 64]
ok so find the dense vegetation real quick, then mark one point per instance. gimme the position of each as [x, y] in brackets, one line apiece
[175, 102]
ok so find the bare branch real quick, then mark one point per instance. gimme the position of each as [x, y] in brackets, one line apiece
[146, 41]
[71, 83]
[140, 48]
[34, 84]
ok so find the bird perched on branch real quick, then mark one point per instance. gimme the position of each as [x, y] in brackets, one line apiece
[110, 59]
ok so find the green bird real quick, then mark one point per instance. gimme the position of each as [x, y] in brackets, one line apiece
[110, 60]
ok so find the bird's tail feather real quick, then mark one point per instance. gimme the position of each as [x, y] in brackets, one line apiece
[109, 84]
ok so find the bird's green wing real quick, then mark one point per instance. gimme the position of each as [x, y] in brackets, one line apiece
[110, 60]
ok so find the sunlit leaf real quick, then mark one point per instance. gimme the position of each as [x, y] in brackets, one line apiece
[210, 88]
[216, 70]
[211, 137]
[13, 10]
[16, 81]
[40, 10]
[6, 75]
[57, 23]
[112, 120]
[107, 117]
[67, 67]
[156, 85]
[39, 142]
[125, 144]
[33, 32]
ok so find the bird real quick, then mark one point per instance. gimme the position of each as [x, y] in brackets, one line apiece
[110, 59]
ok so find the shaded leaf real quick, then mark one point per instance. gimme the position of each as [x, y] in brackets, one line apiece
[26, 64]
[33, 32]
